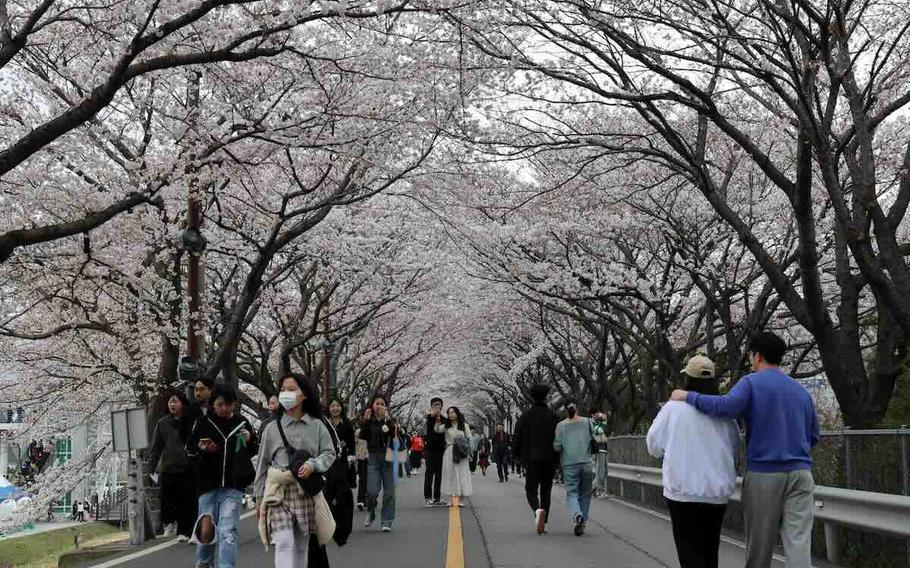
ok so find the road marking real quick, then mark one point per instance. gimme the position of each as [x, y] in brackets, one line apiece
[455, 543]
[151, 549]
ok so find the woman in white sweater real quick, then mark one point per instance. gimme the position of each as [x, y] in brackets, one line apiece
[456, 475]
[699, 474]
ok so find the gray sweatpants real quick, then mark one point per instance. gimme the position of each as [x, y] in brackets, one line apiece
[778, 503]
[600, 479]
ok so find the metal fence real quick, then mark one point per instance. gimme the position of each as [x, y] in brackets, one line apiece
[866, 460]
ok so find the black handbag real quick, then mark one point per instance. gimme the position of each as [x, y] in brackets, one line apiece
[313, 484]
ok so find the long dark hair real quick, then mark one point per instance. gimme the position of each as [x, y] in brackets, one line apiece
[459, 420]
[310, 401]
[183, 423]
[344, 410]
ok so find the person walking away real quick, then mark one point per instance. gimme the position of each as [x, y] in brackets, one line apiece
[533, 445]
[475, 447]
[601, 457]
[340, 477]
[483, 451]
[435, 446]
[224, 444]
[699, 472]
[80, 511]
[416, 452]
[362, 453]
[501, 452]
[456, 474]
[781, 430]
[379, 433]
[573, 440]
[285, 511]
[167, 457]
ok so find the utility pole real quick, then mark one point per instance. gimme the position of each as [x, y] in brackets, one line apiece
[193, 240]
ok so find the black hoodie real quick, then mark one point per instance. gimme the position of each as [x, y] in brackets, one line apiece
[230, 465]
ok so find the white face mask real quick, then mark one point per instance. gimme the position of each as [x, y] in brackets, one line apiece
[287, 399]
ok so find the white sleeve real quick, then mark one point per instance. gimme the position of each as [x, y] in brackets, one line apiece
[735, 439]
[657, 434]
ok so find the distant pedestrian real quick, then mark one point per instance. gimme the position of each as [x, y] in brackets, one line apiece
[781, 430]
[456, 474]
[285, 509]
[362, 453]
[434, 448]
[80, 511]
[223, 444]
[379, 433]
[417, 447]
[699, 473]
[573, 442]
[601, 458]
[475, 448]
[533, 445]
[501, 451]
[274, 412]
[167, 456]
[483, 453]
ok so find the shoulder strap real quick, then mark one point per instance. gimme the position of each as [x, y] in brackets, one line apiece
[333, 433]
[284, 438]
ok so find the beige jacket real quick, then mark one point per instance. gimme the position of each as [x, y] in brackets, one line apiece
[275, 481]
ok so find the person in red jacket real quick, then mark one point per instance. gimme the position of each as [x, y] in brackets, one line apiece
[416, 452]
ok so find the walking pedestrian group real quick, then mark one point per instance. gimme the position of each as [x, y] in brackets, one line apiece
[309, 460]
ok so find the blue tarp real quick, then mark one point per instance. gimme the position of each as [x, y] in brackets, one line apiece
[8, 490]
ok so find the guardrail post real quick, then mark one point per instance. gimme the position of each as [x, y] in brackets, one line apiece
[832, 543]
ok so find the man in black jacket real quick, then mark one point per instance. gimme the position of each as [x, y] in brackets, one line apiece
[533, 445]
[434, 448]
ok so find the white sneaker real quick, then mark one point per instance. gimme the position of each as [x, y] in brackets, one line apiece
[386, 528]
[429, 503]
[182, 538]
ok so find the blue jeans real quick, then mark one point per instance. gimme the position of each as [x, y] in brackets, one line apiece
[579, 478]
[223, 505]
[380, 476]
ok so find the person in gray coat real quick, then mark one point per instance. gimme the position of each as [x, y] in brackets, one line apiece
[167, 457]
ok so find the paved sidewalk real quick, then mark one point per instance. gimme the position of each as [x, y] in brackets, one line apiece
[618, 536]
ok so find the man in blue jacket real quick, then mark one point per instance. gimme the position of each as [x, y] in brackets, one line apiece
[781, 429]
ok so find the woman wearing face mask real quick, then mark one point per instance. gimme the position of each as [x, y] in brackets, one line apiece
[286, 513]
[224, 444]
[379, 433]
[456, 476]
[573, 443]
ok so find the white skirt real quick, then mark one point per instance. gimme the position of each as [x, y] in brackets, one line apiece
[456, 477]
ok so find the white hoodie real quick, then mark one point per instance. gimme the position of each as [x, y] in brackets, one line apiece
[698, 452]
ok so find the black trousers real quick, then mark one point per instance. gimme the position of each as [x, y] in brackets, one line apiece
[432, 477]
[362, 481]
[696, 530]
[502, 467]
[539, 483]
[178, 501]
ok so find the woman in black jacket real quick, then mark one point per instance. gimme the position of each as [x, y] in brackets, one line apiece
[340, 477]
[168, 457]
[221, 444]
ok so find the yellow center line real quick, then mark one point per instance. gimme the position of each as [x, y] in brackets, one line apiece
[455, 544]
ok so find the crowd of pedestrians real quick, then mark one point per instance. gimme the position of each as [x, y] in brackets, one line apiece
[309, 459]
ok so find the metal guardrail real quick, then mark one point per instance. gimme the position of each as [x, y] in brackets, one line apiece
[878, 513]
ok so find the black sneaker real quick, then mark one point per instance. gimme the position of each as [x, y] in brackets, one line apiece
[579, 525]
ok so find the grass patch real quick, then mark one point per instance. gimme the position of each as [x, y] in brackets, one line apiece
[42, 550]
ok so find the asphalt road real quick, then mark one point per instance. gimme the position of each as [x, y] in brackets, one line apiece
[496, 532]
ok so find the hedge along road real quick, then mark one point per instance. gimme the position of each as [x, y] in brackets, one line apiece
[494, 530]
